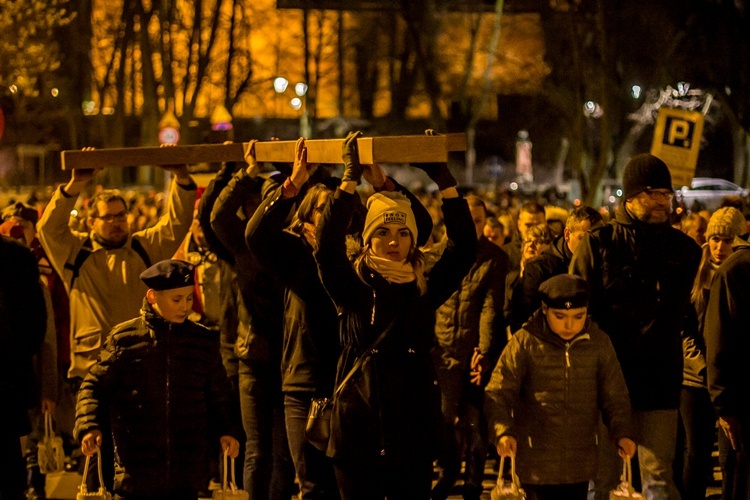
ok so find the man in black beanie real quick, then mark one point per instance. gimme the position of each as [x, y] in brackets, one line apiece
[640, 271]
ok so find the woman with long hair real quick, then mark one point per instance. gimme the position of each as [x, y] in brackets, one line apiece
[386, 413]
[310, 347]
[696, 411]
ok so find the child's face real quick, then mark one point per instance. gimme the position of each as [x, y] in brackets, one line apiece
[172, 305]
[566, 323]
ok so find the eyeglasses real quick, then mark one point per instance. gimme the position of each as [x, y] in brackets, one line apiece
[659, 194]
[110, 218]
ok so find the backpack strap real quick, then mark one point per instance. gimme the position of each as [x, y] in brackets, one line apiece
[138, 247]
[81, 257]
[86, 250]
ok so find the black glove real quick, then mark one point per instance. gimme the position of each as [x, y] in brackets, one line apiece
[439, 173]
[350, 154]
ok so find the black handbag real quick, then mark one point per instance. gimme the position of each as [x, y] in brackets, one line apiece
[318, 428]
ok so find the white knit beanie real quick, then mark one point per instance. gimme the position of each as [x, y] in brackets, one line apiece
[388, 207]
[726, 221]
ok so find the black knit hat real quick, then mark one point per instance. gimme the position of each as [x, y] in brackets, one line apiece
[565, 291]
[645, 171]
[169, 274]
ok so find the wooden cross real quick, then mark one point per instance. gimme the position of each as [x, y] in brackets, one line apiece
[385, 149]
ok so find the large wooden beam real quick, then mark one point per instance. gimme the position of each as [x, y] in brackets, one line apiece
[386, 149]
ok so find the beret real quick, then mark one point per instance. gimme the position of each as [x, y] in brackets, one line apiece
[565, 291]
[169, 274]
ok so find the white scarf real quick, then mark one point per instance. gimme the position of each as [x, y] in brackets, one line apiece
[394, 272]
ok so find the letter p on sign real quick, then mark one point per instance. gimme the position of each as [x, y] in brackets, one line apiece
[677, 140]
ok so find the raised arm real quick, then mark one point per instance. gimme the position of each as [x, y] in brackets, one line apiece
[163, 239]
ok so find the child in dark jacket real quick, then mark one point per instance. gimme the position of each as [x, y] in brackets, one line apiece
[160, 386]
[554, 379]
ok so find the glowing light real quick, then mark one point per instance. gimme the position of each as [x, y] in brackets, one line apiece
[55, 92]
[74, 213]
[612, 199]
[619, 193]
[280, 84]
[296, 103]
[108, 111]
[300, 89]
[682, 88]
[635, 91]
[592, 110]
[576, 202]
[13, 89]
[89, 107]
[513, 186]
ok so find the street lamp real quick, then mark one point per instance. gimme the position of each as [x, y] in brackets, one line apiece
[280, 85]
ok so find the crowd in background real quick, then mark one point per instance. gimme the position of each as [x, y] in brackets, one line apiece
[525, 242]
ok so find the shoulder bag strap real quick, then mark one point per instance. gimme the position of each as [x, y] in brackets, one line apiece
[365, 354]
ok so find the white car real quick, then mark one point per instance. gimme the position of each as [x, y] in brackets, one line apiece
[710, 191]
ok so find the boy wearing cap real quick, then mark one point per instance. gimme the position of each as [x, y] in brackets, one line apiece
[160, 386]
[547, 391]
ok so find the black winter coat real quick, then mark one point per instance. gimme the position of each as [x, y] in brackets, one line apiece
[23, 323]
[640, 277]
[400, 419]
[163, 390]
[727, 337]
[262, 296]
[310, 347]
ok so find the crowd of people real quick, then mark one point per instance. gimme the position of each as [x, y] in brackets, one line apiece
[441, 327]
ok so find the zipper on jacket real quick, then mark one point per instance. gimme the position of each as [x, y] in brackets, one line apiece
[374, 296]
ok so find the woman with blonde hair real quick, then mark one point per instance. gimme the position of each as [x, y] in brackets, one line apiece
[696, 412]
[386, 417]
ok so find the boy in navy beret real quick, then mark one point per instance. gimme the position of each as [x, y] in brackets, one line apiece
[159, 386]
[557, 374]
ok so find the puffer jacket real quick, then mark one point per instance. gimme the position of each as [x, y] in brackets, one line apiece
[640, 277]
[548, 393]
[400, 420]
[162, 390]
[471, 318]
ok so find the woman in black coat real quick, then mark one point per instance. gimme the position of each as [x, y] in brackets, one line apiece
[386, 419]
[310, 347]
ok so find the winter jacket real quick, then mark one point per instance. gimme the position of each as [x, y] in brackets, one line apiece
[548, 393]
[640, 277]
[310, 346]
[107, 290]
[400, 418]
[726, 335]
[23, 322]
[162, 389]
[471, 318]
[262, 295]
[525, 299]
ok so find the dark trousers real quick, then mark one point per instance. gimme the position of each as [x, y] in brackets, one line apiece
[466, 440]
[269, 471]
[314, 470]
[699, 423]
[409, 480]
[575, 491]
[12, 465]
[735, 466]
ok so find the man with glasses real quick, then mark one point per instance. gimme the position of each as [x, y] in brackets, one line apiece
[640, 270]
[100, 269]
